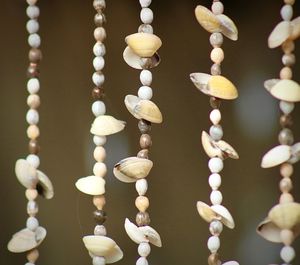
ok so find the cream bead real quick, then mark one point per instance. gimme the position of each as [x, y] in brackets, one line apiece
[144, 249]
[100, 169]
[33, 255]
[141, 186]
[99, 201]
[31, 194]
[33, 85]
[217, 55]
[215, 116]
[99, 154]
[146, 15]
[286, 12]
[287, 254]
[215, 165]
[33, 132]
[286, 73]
[32, 116]
[33, 160]
[100, 34]
[217, 8]
[287, 237]
[216, 197]
[142, 203]
[215, 181]
[286, 198]
[213, 244]
[146, 77]
[99, 140]
[32, 26]
[33, 101]
[286, 170]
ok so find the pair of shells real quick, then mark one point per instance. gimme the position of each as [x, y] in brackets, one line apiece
[105, 125]
[280, 217]
[102, 246]
[142, 46]
[215, 212]
[143, 234]
[219, 149]
[214, 85]
[285, 30]
[26, 240]
[91, 185]
[32, 178]
[143, 109]
[132, 169]
[286, 90]
[216, 23]
[281, 154]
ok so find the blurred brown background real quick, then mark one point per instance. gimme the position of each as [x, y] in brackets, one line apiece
[180, 175]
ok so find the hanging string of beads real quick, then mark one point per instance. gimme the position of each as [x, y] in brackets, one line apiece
[101, 248]
[35, 181]
[282, 222]
[217, 88]
[141, 54]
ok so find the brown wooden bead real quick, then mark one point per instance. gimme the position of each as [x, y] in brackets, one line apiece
[213, 259]
[100, 217]
[33, 256]
[144, 126]
[98, 93]
[33, 147]
[142, 219]
[143, 154]
[286, 121]
[35, 55]
[145, 141]
[142, 203]
[99, 201]
[215, 102]
[33, 70]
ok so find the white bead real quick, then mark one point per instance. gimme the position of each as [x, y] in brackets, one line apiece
[33, 86]
[32, 116]
[144, 249]
[286, 107]
[217, 8]
[145, 92]
[32, 223]
[145, 3]
[98, 108]
[34, 40]
[216, 228]
[100, 169]
[215, 165]
[98, 79]
[216, 132]
[32, 12]
[33, 160]
[99, 261]
[99, 140]
[32, 26]
[216, 197]
[142, 261]
[286, 12]
[146, 15]
[141, 186]
[98, 63]
[146, 77]
[215, 116]
[213, 244]
[287, 254]
[99, 49]
[100, 230]
[215, 181]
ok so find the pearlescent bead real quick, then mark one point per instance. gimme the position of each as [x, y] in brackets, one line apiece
[141, 186]
[98, 63]
[32, 116]
[146, 77]
[99, 19]
[144, 249]
[216, 132]
[32, 223]
[145, 3]
[100, 169]
[99, 140]
[287, 254]
[100, 34]
[216, 228]
[146, 15]
[33, 160]
[286, 170]
[31, 194]
[286, 185]
[32, 26]
[286, 107]
[32, 11]
[217, 8]
[216, 197]
[33, 255]
[99, 49]
[145, 92]
[32, 208]
[215, 116]
[286, 137]
[142, 261]
[99, 261]
[33, 85]
[216, 39]
[98, 78]
[215, 181]
[99, 153]
[98, 108]
[286, 12]
[34, 40]
[100, 230]
[145, 28]
[286, 73]
[33, 101]
[215, 165]
[289, 59]
[213, 244]
[217, 55]
[33, 132]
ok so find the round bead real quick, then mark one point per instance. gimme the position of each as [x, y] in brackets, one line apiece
[35, 55]
[216, 228]
[100, 34]
[33, 101]
[286, 198]
[286, 121]
[216, 39]
[98, 108]
[288, 46]
[286, 73]
[33, 147]
[99, 201]
[143, 154]
[216, 197]
[215, 181]
[141, 186]
[142, 219]
[98, 78]
[33, 85]
[146, 77]
[99, 154]
[32, 208]
[215, 165]
[145, 28]
[33, 132]
[33, 11]
[99, 140]
[32, 26]
[215, 69]
[213, 259]
[99, 49]
[99, 261]
[32, 116]
[98, 93]
[100, 217]
[213, 244]
[289, 59]
[146, 15]
[145, 141]
[287, 254]
[33, 255]
[98, 63]
[100, 230]
[32, 223]
[31, 194]
[100, 169]
[33, 160]
[286, 107]
[142, 261]
[34, 40]
[286, 185]
[216, 132]
[286, 137]
[144, 126]
[145, 3]
[144, 249]
[286, 170]
[217, 55]
[142, 203]
[99, 5]
[217, 8]
[215, 116]
[287, 237]
[145, 92]
[99, 19]
[286, 12]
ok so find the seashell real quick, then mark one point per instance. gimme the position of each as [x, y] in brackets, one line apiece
[207, 19]
[26, 240]
[295, 156]
[228, 28]
[152, 235]
[230, 263]
[143, 109]
[143, 44]
[215, 212]
[200, 80]
[136, 62]
[103, 246]
[91, 185]
[44, 186]
[269, 231]
[286, 215]
[106, 125]
[280, 34]
[131, 169]
[287, 90]
[276, 156]
[295, 24]
[269, 84]
[26, 174]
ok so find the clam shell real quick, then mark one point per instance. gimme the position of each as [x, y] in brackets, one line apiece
[269, 84]
[44, 186]
[287, 90]
[200, 80]
[286, 215]
[135, 234]
[269, 231]
[280, 34]
[295, 157]
[152, 235]
[103, 246]
[26, 240]
[91, 185]
[295, 24]
[227, 150]
[106, 125]
[276, 156]
[136, 62]
[143, 44]
[26, 174]
[228, 28]
[131, 169]
[143, 109]
[207, 19]
[221, 87]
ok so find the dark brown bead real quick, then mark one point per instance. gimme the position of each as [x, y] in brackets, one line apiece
[142, 219]
[144, 126]
[99, 5]
[215, 102]
[286, 137]
[98, 93]
[145, 141]
[100, 217]
[213, 259]
[286, 121]
[33, 70]
[34, 147]
[35, 55]
[143, 154]
[99, 19]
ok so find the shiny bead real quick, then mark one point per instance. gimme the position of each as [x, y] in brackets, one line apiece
[33, 147]
[33, 85]
[33, 11]
[286, 185]
[99, 201]
[99, 49]
[143, 154]
[213, 259]
[31, 194]
[100, 230]
[217, 8]
[32, 26]
[98, 93]
[217, 55]
[215, 181]
[100, 34]
[215, 103]
[142, 219]
[216, 228]
[286, 12]
[32, 208]
[32, 223]
[286, 170]
[99, 140]
[33, 132]
[98, 108]
[216, 197]
[145, 28]
[100, 217]
[100, 169]
[289, 59]
[141, 186]
[33, 255]
[99, 19]
[98, 63]
[286, 73]
[146, 15]
[286, 121]
[142, 261]
[142, 203]
[144, 249]
[99, 154]
[99, 5]
[215, 116]
[145, 92]
[145, 3]
[145, 141]
[34, 40]
[213, 244]
[35, 55]
[216, 132]
[33, 101]
[286, 137]
[32, 116]
[32, 70]
[146, 77]
[216, 39]
[215, 69]
[215, 165]
[286, 107]
[287, 254]
[286, 198]
[99, 261]
[33, 160]
[98, 78]
[144, 126]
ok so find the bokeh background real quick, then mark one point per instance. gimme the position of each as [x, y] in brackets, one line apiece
[179, 177]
